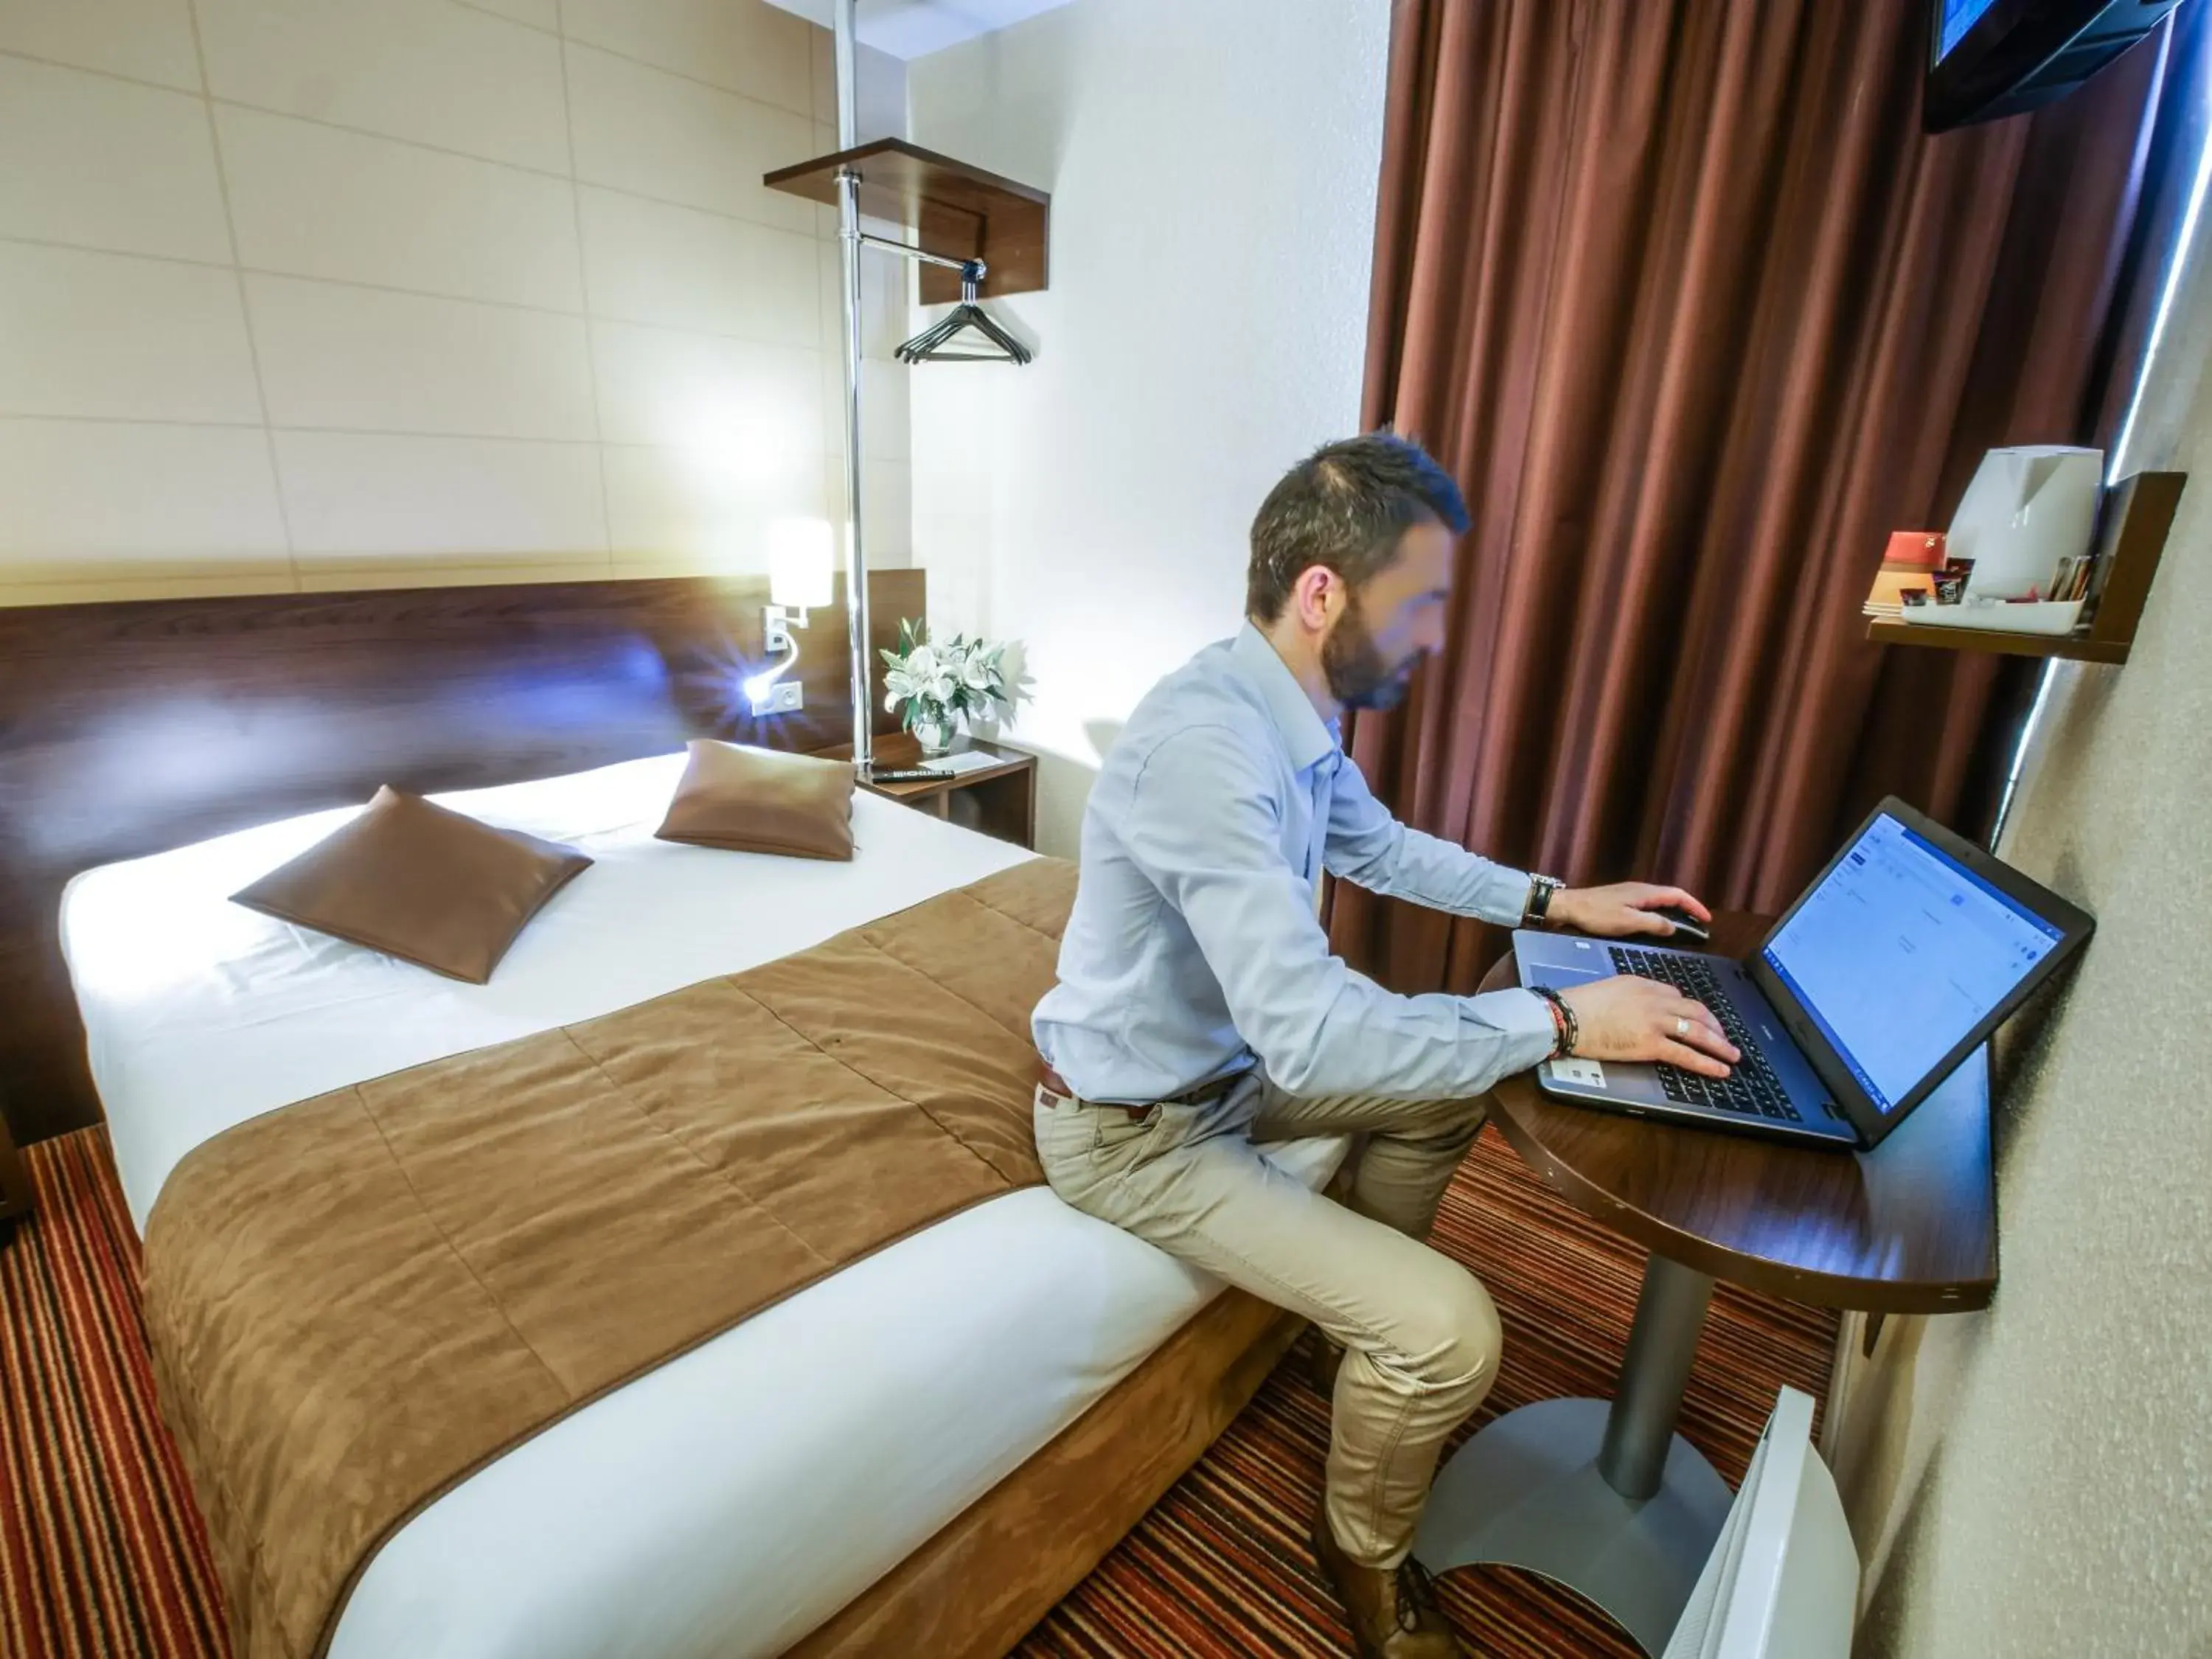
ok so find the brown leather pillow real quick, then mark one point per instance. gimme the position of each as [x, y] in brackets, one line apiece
[418, 882]
[750, 800]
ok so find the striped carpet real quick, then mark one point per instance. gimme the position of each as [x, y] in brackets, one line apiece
[101, 1554]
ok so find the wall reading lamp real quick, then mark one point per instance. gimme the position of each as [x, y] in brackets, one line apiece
[801, 554]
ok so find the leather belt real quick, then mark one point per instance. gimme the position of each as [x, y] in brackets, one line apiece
[1198, 1097]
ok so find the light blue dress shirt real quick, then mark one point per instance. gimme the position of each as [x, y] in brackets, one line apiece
[1194, 947]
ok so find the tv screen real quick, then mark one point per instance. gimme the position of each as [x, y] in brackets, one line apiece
[1958, 16]
[1994, 57]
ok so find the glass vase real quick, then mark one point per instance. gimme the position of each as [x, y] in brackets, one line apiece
[936, 736]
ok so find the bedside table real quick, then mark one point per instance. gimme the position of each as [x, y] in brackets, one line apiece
[14, 1180]
[999, 799]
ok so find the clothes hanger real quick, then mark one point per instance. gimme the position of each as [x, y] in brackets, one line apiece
[929, 346]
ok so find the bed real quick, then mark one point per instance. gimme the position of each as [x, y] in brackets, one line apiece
[842, 1430]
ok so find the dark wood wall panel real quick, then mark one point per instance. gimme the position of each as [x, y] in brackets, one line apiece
[127, 729]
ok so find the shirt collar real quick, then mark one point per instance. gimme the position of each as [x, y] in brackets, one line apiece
[1307, 735]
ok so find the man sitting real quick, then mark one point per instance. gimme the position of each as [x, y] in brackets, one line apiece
[1200, 1010]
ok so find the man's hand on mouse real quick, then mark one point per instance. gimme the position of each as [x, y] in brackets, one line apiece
[1628, 1018]
[1624, 910]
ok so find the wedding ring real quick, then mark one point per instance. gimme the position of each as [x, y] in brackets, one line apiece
[1681, 1028]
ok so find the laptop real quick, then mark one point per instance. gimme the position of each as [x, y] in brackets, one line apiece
[1893, 966]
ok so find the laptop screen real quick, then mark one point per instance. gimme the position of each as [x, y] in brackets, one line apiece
[1899, 953]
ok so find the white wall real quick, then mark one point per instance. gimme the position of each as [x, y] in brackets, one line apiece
[2036, 1482]
[317, 294]
[1212, 168]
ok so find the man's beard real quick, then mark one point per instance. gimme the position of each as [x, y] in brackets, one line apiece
[1352, 664]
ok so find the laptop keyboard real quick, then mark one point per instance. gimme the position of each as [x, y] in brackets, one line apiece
[1752, 1088]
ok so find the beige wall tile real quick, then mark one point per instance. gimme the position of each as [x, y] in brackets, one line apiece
[364, 359]
[692, 510]
[887, 490]
[756, 402]
[886, 322]
[538, 14]
[640, 130]
[884, 388]
[744, 46]
[147, 40]
[886, 393]
[822, 79]
[106, 334]
[349, 496]
[422, 70]
[104, 499]
[650, 262]
[99, 163]
[315, 202]
[396, 176]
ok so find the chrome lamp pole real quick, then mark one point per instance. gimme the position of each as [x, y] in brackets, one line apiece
[849, 251]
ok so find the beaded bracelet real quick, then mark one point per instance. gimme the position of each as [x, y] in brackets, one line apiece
[1568, 1029]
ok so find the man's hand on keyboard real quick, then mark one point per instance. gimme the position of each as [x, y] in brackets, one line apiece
[1623, 910]
[1629, 1017]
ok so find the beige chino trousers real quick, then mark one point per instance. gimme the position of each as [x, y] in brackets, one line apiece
[1420, 1335]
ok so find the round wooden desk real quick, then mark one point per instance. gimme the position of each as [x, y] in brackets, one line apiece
[1607, 1498]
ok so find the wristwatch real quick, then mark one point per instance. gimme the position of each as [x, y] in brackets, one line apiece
[1541, 890]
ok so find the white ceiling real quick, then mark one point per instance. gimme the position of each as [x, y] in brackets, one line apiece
[914, 28]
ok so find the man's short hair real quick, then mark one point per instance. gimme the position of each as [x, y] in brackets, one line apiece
[1345, 507]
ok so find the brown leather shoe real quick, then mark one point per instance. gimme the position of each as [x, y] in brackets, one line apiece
[1324, 1361]
[1393, 1611]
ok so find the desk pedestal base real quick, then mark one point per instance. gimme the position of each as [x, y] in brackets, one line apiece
[1608, 1501]
[1526, 1492]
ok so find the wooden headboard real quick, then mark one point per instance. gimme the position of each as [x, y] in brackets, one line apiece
[129, 728]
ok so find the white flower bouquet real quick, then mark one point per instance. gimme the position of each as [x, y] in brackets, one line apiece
[939, 685]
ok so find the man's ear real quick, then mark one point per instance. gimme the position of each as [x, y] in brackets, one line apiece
[1316, 597]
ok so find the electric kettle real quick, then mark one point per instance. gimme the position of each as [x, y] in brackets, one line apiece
[2028, 507]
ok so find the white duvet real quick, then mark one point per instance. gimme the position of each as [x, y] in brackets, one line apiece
[733, 1499]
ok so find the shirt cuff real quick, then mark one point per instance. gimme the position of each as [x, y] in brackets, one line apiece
[1525, 1020]
[1506, 897]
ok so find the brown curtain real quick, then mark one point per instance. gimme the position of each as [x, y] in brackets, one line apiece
[1697, 315]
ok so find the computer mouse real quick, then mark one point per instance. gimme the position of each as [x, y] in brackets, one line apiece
[1687, 927]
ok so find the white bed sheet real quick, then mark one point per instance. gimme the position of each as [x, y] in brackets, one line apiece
[200, 1014]
[730, 1501]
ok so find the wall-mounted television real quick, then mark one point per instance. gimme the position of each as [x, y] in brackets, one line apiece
[1993, 57]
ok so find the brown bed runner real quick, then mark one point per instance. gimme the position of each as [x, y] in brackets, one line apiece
[356, 1301]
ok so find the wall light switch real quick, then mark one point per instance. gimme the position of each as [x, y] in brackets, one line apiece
[784, 698]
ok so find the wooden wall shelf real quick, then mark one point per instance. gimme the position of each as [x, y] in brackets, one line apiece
[2136, 518]
[954, 209]
[2074, 646]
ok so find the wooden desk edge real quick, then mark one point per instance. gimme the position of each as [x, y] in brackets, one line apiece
[1718, 1261]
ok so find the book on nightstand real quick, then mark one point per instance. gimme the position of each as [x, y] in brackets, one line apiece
[963, 760]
